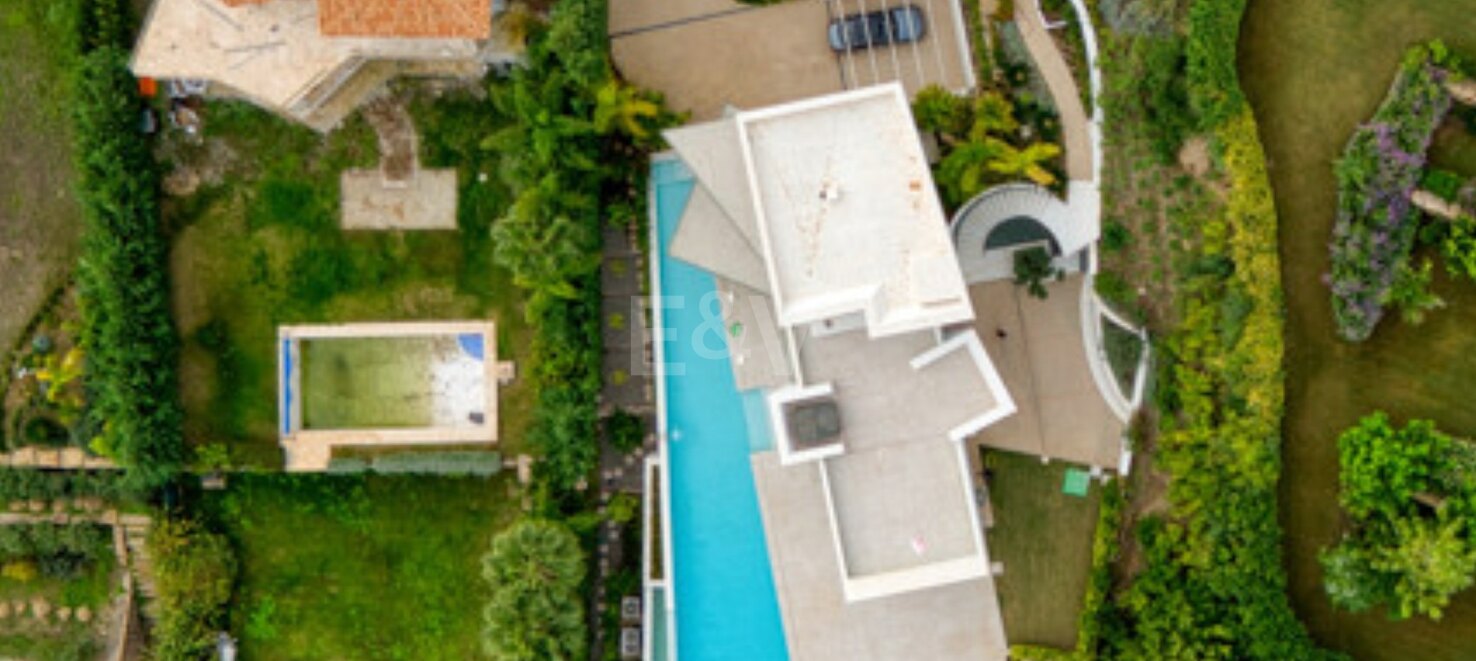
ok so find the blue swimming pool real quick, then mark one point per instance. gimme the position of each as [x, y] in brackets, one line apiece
[726, 607]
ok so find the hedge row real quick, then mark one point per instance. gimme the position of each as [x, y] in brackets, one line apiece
[19, 484]
[469, 463]
[123, 279]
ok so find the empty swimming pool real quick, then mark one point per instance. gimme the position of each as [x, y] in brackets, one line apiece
[726, 607]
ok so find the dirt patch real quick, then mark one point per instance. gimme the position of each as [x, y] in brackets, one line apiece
[397, 141]
[1194, 156]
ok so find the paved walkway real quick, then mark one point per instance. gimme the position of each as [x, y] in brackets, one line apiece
[627, 387]
[1075, 127]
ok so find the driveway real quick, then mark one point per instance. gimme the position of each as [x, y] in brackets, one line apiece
[705, 55]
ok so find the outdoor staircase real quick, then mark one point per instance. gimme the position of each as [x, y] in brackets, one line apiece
[981, 215]
[134, 530]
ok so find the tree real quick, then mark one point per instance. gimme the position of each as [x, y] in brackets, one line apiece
[1429, 561]
[535, 569]
[622, 107]
[1382, 468]
[1013, 162]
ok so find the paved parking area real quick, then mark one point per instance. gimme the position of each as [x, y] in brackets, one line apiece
[705, 55]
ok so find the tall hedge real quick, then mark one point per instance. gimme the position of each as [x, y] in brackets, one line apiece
[123, 274]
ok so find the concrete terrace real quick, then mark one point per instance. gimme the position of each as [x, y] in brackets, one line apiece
[946, 623]
[1062, 413]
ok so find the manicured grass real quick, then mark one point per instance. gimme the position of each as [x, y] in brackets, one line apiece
[40, 221]
[1314, 69]
[257, 245]
[1044, 539]
[360, 567]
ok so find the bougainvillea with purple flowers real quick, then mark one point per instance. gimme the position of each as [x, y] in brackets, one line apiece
[1376, 225]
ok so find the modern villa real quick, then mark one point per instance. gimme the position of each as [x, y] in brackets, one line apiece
[315, 61]
[843, 304]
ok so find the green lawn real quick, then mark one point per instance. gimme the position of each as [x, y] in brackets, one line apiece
[257, 245]
[360, 567]
[40, 222]
[1044, 539]
[1315, 69]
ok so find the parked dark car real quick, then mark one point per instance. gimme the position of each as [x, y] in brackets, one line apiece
[899, 25]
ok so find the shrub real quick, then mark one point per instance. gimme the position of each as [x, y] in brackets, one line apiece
[1032, 268]
[1458, 247]
[194, 571]
[1443, 183]
[625, 430]
[1115, 236]
[1376, 226]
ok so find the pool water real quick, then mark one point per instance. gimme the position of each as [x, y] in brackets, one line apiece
[726, 606]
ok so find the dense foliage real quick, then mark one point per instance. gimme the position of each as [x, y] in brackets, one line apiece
[572, 157]
[535, 570]
[981, 143]
[194, 571]
[1408, 492]
[1382, 164]
[128, 335]
[1212, 586]
[56, 550]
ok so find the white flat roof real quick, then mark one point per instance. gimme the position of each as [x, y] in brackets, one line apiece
[848, 215]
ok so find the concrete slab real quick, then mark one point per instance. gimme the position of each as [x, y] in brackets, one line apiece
[424, 201]
[953, 622]
[726, 56]
[1043, 361]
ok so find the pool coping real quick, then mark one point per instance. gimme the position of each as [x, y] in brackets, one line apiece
[667, 586]
[312, 449]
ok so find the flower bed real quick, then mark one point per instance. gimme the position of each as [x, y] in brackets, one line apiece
[1382, 165]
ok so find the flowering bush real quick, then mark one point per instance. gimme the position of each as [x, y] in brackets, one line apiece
[1381, 166]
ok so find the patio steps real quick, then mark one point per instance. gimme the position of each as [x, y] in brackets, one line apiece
[980, 216]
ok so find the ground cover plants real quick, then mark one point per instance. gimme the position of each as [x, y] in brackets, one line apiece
[1376, 223]
[1204, 577]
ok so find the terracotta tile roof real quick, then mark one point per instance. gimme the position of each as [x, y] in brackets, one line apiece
[430, 19]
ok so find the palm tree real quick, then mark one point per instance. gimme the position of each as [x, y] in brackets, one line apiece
[536, 612]
[1011, 161]
[623, 107]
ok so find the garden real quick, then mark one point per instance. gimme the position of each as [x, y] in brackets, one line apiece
[1315, 71]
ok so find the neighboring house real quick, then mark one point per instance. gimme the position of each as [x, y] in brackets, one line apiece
[844, 303]
[314, 61]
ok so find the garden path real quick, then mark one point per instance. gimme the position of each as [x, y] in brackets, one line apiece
[1075, 126]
